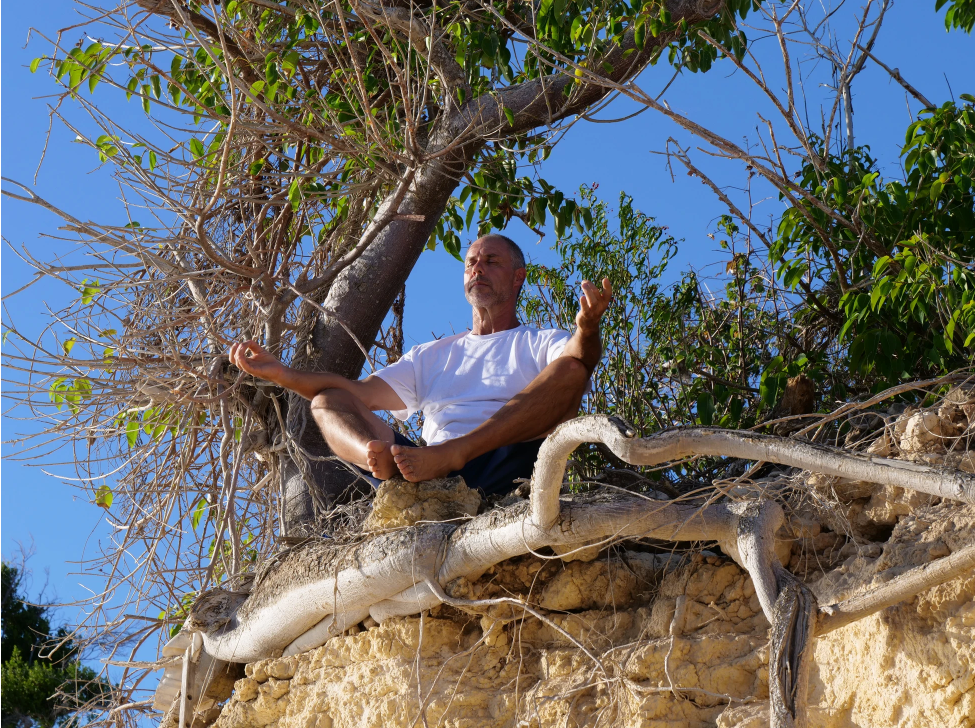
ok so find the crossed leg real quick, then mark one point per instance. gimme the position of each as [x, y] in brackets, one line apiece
[552, 398]
[354, 433]
[357, 435]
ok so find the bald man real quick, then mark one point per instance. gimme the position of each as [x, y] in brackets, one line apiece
[489, 396]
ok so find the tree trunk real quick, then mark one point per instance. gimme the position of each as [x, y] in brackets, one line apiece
[360, 299]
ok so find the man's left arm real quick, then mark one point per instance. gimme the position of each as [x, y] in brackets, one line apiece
[586, 344]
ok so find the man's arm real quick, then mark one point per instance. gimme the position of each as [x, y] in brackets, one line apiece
[585, 344]
[252, 358]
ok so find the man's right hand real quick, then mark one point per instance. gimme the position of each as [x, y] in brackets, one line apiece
[254, 359]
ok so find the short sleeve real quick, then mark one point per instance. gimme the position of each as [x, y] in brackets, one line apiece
[557, 341]
[556, 346]
[401, 376]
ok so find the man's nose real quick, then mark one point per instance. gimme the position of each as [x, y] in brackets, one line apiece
[477, 268]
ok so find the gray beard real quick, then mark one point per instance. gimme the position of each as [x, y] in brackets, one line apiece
[482, 297]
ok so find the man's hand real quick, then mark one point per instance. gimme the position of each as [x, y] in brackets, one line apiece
[592, 305]
[254, 359]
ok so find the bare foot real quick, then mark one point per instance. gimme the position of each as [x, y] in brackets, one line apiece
[379, 460]
[425, 463]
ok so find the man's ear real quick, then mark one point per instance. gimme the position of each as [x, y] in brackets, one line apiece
[520, 275]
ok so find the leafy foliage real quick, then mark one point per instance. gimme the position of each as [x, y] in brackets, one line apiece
[960, 14]
[673, 354]
[867, 283]
[892, 260]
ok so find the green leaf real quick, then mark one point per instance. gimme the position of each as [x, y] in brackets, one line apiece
[132, 431]
[451, 244]
[88, 292]
[152, 160]
[104, 497]
[197, 148]
[198, 512]
[705, 409]
[35, 63]
[294, 194]
[69, 345]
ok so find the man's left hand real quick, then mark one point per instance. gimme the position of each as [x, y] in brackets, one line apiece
[593, 304]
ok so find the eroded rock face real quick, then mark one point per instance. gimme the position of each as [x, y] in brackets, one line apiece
[638, 639]
[679, 643]
[913, 664]
[500, 669]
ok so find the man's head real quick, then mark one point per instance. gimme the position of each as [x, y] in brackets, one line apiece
[494, 271]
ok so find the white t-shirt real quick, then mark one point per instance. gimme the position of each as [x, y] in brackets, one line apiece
[459, 381]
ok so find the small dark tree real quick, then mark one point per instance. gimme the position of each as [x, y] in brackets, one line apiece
[43, 678]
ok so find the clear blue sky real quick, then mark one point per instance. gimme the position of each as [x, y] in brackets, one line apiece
[63, 527]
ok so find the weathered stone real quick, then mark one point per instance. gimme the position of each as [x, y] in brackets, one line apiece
[399, 503]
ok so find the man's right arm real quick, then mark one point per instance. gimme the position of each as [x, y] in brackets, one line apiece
[252, 358]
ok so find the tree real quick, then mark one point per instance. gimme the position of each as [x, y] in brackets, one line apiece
[44, 682]
[303, 155]
[326, 145]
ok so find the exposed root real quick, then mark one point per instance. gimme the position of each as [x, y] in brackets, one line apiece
[303, 603]
[793, 625]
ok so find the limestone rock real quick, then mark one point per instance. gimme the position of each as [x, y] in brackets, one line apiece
[604, 583]
[910, 666]
[924, 432]
[400, 503]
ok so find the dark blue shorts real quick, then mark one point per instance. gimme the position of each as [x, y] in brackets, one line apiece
[492, 473]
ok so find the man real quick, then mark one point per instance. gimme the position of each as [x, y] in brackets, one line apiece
[489, 396]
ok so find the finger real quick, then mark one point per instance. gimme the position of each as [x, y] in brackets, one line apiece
[595, 299]
[237, 357]
[607, 288]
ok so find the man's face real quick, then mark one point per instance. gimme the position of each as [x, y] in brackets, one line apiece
[490, 277]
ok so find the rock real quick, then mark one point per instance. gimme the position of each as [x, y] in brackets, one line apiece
[750, 715]
[578, 551]
[887, 504]
[922, 433]
[842, 490]
[245, 689]
[912, 665]
[257, 671]
[958, 406]
[883, 446]
[928, 432]
[399, 503]
[282, 669]
[591, 585]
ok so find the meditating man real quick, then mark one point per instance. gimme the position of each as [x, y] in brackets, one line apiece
[488, 396]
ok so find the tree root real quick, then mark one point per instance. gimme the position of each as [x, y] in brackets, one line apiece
[793, 624]
[312, 594]
[897, 590]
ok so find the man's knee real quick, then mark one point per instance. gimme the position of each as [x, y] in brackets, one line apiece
[331, 400]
